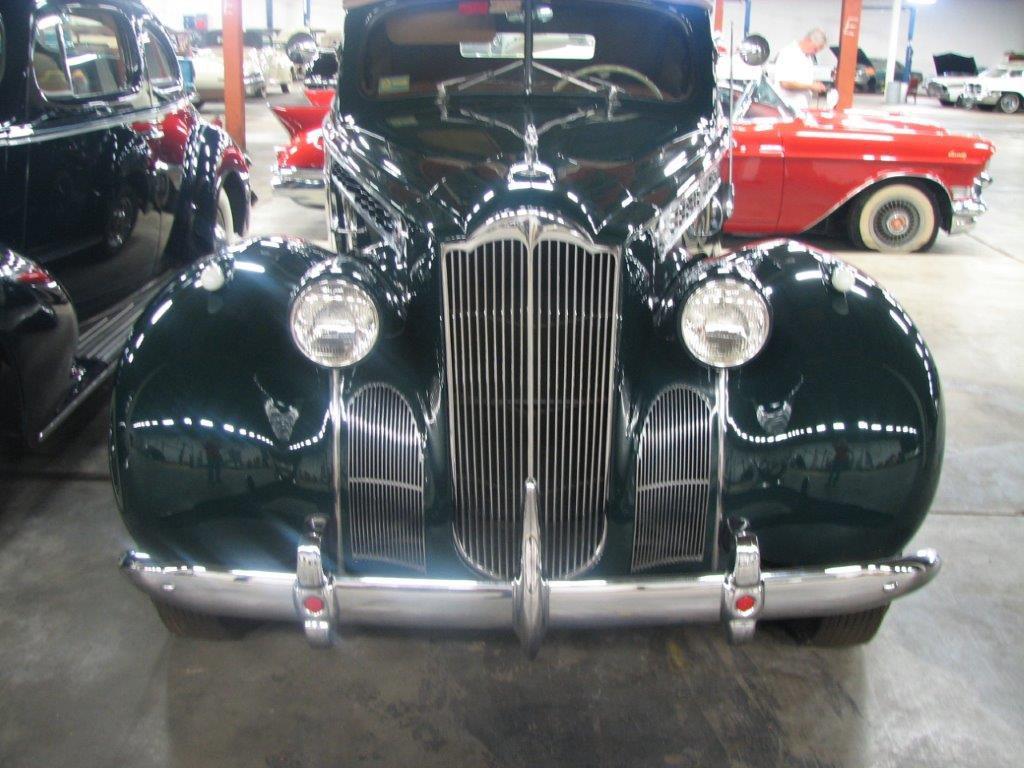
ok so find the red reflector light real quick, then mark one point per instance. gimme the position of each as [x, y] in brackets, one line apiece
[745, 603]
[34, 276]
[313, 604]
[475, 8]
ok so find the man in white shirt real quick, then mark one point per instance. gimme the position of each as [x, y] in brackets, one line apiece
[794, 68]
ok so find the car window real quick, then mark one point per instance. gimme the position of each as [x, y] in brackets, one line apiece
[81, 54]
[646, 53]
[161, 64]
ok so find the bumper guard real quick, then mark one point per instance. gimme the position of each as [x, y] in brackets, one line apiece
[531, 604]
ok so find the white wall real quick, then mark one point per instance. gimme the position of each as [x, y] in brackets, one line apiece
[324, 14]
[984, 29]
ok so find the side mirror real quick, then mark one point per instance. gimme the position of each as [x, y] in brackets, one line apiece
[755, 51]
[301, 48]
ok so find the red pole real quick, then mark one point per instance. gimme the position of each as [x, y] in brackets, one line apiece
[719, 15]
[849, 41]
[234, 88]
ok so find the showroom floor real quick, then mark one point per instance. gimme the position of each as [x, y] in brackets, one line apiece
[89, 677]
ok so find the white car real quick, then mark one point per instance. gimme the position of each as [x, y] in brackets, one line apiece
[209, 66]
[948, 89]
[278, 70]
[1001, 87]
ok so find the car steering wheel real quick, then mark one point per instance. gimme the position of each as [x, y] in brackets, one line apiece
[613, 69]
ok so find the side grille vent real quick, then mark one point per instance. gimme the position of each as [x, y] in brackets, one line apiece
[673, 481]
[385, 462]
[365, 203]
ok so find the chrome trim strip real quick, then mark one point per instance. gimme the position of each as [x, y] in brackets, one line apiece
[303, 185]
[722, 415]
[18, 135]
[468, 604]
[888, 176]
[336, 407]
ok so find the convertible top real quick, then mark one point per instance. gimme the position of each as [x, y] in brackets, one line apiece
[348, 4]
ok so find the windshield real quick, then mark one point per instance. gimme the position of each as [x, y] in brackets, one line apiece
[480, 48]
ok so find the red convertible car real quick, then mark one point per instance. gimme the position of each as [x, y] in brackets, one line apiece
[889, 182]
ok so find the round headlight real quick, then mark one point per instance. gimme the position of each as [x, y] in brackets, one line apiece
[725, 323]
[334, 323]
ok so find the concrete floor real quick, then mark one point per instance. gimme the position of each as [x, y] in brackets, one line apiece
[89, 677]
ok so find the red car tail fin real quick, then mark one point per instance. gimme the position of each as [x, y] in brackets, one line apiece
[299, 119]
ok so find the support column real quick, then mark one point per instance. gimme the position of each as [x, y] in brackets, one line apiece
[719, 15]
[892, 93]
[849, 41]
[234, 88]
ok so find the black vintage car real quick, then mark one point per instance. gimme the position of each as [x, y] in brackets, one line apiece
[526, 390]
[109, 181]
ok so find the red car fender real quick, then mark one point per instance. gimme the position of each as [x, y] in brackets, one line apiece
[828, 158]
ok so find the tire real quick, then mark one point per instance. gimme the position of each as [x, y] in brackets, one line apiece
[285, 87]
[224, 224]
[200, 626]
[842, 631]
[895, 218]
[1009, 103]
[947, 103]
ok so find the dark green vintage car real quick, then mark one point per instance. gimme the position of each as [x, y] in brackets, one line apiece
[526, 389]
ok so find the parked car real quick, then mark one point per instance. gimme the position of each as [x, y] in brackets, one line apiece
[521, 393]
[953, 72]
[1001, 87]
[889, 182]
[794, 171]
[866, 74]
[209, 69]
[278, 70]
[110, 183]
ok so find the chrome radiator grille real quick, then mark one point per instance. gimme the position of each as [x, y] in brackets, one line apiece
[530, 322]
[385, 461]
[673, 480]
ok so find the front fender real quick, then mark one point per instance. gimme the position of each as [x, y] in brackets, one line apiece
[210, 156]
[218, 448]
[835, 431]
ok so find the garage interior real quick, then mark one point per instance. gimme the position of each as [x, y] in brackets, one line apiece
[89, 676]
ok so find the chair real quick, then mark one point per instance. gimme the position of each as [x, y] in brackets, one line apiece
[912, 87]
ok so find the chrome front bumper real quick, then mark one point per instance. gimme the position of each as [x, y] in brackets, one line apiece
[967, 212]
[531, 604]
[303, 185]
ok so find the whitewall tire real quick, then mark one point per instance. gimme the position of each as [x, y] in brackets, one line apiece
[223, 223]
[895, 218]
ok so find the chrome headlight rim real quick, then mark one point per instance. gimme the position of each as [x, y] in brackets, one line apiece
[734, 282]
[336, 281]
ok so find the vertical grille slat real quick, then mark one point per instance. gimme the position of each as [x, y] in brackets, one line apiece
[530, 336]
[673, 480]
[385, 516]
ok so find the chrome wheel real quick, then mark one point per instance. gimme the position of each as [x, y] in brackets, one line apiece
[896, 223]
[122, 220]
[1009, 103]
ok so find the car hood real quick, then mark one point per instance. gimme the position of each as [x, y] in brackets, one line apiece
[452, 168]
[854, 121]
